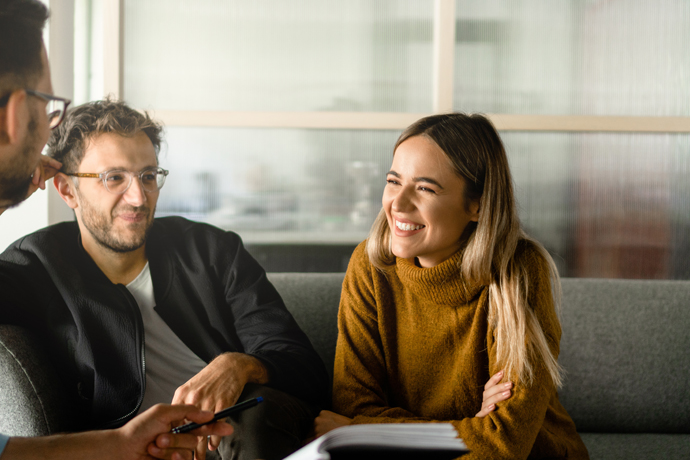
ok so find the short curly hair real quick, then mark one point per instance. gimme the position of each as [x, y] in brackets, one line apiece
[68, 142]
[21, 40]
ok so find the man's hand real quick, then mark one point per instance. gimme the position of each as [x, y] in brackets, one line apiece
[218, 386]
[45, 169]
[148, 435]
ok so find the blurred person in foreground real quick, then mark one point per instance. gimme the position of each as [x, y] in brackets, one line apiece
[28, 111]
[446, 292]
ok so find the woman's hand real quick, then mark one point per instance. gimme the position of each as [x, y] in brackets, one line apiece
[494, 392]
[327, 421]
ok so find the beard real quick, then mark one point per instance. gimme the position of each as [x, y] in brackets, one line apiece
[104, 232]
[15, 183]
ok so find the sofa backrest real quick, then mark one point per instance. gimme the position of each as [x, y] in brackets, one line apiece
[313, 300]
[626, 351]
[625, 347]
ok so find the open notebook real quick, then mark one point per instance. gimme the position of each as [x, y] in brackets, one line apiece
[381, 441]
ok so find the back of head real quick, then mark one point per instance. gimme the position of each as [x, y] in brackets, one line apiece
[68, 142]
[21, 41]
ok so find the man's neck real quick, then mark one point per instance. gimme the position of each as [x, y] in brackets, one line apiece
[119, 267]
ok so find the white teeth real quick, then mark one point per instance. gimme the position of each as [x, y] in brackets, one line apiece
[407, 227]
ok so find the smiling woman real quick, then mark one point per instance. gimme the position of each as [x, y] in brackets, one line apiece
[425, 203]
[447, 292]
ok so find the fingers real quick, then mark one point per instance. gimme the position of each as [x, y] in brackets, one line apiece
[169, 446]
[216, 430]
[50, 167]
[327, 421]
[496, 393]
[493, 396]
[150, 432]
[45, 169]
[485, 411]
[50, 162]
[495, 379]
[167, 414]
[213, 442]
[201, 449]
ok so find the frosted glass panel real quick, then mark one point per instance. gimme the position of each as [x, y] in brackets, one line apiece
[606, 205]
[276, 55]
[278, 185]
[573, 57]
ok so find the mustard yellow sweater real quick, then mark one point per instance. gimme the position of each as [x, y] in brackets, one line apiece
[415, 346]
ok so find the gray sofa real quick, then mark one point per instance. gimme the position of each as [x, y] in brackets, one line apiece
[625, 348]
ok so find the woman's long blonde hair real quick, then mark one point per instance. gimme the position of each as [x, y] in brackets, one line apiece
[478, 156]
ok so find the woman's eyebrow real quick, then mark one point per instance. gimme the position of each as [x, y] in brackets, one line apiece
[428, 180]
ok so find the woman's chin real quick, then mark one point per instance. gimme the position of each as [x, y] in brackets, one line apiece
[403, 253]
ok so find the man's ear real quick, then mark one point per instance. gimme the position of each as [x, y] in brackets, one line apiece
[14, 118]
[67, 189]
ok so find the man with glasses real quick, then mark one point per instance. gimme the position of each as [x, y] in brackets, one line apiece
[28, 111]
[142, 311]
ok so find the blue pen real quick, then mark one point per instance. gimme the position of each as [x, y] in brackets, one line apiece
[219, 415]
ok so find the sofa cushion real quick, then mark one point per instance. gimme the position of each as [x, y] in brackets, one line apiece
[626, 352]
[636, 446]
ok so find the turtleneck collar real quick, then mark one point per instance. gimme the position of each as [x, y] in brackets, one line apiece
[443, 283]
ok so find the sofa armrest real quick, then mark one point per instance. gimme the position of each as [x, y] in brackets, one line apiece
[31, 401]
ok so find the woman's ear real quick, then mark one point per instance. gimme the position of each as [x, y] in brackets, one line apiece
[67, 189]
[474, 209]
[14, 118]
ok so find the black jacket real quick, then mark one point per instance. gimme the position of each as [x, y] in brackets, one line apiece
[207, 288]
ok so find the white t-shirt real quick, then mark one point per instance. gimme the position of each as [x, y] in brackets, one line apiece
[169, 362]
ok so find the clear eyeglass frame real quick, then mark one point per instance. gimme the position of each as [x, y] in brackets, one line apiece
[118, 181]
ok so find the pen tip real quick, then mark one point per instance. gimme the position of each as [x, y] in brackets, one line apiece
[259, 399]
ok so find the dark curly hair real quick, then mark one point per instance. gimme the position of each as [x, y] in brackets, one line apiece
[21, 39]
[68, 142]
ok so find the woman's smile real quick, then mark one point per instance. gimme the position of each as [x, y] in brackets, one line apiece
[424, 203]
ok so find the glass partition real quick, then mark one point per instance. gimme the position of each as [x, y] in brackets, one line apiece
[605, 205]
[573, 57]
[273, 55]
[278, 185]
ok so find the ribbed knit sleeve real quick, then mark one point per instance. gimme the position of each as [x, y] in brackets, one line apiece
[413, 346]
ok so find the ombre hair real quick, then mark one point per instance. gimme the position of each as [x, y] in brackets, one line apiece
[477, 155]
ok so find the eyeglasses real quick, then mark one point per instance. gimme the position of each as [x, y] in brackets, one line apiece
[55, 109]
[118, 181]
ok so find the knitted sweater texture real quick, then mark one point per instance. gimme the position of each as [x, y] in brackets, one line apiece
[415, 345]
